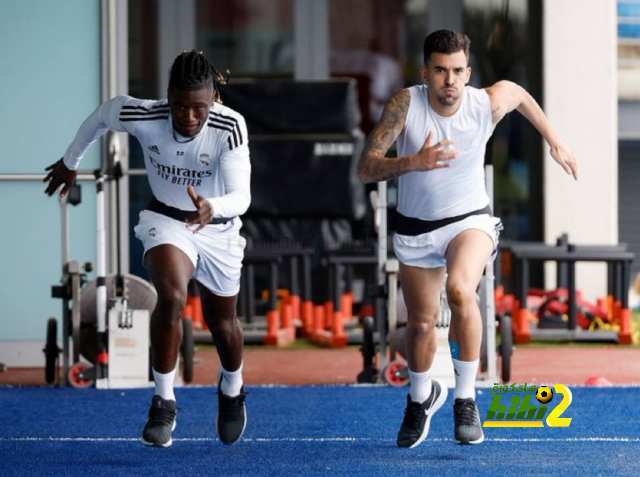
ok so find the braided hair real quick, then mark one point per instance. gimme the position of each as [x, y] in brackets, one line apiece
[191, 70]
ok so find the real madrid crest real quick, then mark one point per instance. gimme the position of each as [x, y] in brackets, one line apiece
[204, 160]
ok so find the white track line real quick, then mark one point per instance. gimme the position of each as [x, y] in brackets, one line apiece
[316, 439]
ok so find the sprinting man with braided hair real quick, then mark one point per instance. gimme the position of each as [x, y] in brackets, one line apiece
[197, 159]
[445, 228]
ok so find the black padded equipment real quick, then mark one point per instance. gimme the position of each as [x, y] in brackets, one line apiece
[294, 107]
[304, 176]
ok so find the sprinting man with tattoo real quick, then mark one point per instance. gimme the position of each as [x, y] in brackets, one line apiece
[445, 227]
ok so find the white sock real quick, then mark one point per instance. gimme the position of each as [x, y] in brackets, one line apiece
[164, 384]
[466, 373]
[232, 382]
[420, 386]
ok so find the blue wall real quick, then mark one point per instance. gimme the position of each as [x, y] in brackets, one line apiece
[50, 81]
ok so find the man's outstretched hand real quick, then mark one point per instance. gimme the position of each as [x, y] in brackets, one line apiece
[59, 175]
[566, 158]
[204, 213]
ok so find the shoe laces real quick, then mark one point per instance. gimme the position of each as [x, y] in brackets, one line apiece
[231, 407]
[466, 413]
[161, 415]
[413, 414]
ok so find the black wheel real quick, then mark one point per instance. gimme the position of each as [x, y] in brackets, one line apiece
[186, 348]
[51, 351]
[506, 346]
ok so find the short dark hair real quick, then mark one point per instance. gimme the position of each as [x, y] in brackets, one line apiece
[445, 41]
[191, 70]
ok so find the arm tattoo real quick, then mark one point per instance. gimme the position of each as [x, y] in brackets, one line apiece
[373, 165]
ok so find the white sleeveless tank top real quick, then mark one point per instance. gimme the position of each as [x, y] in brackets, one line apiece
[459, 189]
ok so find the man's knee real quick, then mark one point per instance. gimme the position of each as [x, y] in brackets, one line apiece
[171, 303]
[424, 322]
[222, 322]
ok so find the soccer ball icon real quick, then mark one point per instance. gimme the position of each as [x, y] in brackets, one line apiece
[544, 394]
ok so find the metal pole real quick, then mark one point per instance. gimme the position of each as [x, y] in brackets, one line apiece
[381, 216]
[64, 214]
[392, 268]
[101, 284]
[82, 176]
[489, 296]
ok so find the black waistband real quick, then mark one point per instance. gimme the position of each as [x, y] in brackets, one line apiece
[411, 226]
[178, 214]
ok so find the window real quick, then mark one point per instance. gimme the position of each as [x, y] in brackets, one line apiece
[629, 49]
[248, 37]
[506, 45]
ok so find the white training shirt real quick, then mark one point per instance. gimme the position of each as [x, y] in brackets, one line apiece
[215, 162]
[456, 190]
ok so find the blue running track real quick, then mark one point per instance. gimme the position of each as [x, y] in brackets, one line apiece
[292, 431]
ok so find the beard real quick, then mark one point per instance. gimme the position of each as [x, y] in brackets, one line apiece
[448, 100]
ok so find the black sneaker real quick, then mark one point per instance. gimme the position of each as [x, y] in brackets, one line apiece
[232, 416]
[467, 419]
[161, 422]
[417, 417]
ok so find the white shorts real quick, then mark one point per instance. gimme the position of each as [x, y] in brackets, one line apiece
[216, 251]
[429, 250]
